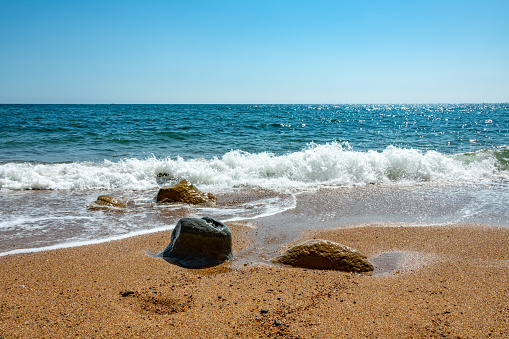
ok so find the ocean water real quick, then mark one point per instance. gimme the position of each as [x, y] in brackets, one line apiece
[280, 167]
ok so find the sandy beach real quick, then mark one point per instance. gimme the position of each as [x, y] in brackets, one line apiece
[448, 281]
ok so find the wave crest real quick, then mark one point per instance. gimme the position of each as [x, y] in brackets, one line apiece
[326, 164]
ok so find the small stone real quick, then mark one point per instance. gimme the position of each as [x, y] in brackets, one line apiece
[277, 322]
[127, 293]
[107, 201]
[264, 311]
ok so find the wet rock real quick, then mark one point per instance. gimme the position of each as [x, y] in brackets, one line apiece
[107, 201]
[199, 243]
[185, 192]
[325, 255]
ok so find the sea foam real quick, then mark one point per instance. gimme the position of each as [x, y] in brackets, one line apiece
[332, 164]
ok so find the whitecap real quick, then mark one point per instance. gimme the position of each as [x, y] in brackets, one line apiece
[333, 164]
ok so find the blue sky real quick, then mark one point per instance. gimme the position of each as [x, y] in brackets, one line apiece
[254, 51]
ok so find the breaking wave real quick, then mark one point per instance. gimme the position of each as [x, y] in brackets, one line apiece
[331, 164]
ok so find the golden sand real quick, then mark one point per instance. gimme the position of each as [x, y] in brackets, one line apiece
[448, 282]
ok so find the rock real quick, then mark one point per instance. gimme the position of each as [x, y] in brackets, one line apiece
[107, 201]
[199, 242]
[127, 293]
[185, 192]
[325, 255]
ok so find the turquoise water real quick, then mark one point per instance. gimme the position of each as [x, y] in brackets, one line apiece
[62, 133]
[268, 164]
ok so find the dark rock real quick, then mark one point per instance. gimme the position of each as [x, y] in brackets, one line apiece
[325, 255]
[107, 201]
[277, 322]
[199, 242]
[127, 293]
[264, 311]
[185, 192]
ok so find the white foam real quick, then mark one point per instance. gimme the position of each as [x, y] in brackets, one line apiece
[35, 222]
[253, 210]
[327, 164]
[86, 242]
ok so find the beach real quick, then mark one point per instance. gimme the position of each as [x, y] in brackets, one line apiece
[382, 128]
[429, 281]
[422, 190]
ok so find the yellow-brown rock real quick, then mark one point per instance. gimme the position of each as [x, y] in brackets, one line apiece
[185, 192]
[325, 255]
[107, 201]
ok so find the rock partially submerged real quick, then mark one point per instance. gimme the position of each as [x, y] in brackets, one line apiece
[107, 201]
[185, 192]
[199, 243]
[325, 255]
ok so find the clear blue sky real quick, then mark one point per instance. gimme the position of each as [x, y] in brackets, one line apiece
[430, 51]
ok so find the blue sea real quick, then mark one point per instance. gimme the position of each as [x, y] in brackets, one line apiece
[283, 168]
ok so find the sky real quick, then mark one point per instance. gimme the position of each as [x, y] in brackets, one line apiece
[236, 51]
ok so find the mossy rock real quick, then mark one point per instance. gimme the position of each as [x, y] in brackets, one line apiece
[185, 192]
[107, 201]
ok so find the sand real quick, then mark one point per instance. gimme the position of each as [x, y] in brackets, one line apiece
[449, 281]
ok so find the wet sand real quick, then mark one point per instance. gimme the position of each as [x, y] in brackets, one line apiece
[448, 282]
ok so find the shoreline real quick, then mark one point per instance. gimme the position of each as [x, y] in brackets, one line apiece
[451, 278]
[54, 219]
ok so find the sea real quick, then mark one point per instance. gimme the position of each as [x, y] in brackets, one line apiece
[280, 169]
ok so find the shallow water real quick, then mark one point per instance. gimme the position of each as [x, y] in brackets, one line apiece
[35, 220]
[38, 219]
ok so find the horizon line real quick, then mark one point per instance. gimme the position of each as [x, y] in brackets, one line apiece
[401, 103]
